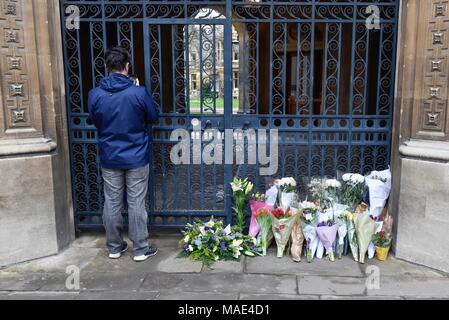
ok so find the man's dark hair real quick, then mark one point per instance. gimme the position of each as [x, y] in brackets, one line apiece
[117, 58]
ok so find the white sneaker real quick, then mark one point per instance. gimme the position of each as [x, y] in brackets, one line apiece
[151, 252]
[119, 254]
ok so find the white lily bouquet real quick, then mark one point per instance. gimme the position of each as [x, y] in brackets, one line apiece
[287, 188]
[241, 189]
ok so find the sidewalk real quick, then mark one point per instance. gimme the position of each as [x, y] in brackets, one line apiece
[168, 277]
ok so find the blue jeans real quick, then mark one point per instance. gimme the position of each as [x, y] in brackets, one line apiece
[136, 182]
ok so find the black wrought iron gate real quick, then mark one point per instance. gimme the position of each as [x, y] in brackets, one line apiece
[319, 72]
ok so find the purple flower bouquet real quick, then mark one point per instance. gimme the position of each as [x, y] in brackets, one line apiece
[327, 232]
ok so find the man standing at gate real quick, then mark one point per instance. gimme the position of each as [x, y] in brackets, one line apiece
[121, 111]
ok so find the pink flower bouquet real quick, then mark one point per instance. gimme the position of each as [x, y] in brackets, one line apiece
[255, 205]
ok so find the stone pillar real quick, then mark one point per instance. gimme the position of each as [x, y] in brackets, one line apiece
[421, 166]
[35, 197]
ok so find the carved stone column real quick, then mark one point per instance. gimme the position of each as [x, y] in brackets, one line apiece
[35, 202]
[421, 166]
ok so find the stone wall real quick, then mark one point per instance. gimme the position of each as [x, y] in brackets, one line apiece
[35, 201]
[421, 146]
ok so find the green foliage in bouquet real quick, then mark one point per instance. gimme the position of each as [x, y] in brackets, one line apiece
[241, 190]
[331, 193]
[264, 220]
[381, 240]
[353, 187]
[210, 241]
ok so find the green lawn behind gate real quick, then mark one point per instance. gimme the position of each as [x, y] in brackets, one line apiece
[195, 105]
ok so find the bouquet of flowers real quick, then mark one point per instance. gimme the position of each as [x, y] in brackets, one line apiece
[282, 225]
[297, 237]
[309, 210]
[323, 216]
[258, 202]
[331, 188]
[327, 232]
[352, 189]
[382, 241]
[388, 225]
[271, 195]
[380, 223]
[264, 220]
[241, 188]
[365, 228]
[211, 241]
[308, 222]
[316, 190]
[379, 186]
[287, 187]
[352, 236]
[342, 218]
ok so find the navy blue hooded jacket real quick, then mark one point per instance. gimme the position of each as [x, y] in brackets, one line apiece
[121, 112]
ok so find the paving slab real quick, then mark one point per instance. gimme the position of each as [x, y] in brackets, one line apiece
[327, 297]
[37, 295]
[72, 256]
[165, 261]
[226, 266]
[394, 267]
[13, 281]
[270, 264]
[407, 286]
[116, 295]
[220, 282]
[331, 285]
[197, 296]
[99, 281]
[257, 297]
[173, 264]
[166, 240]
[419, 297]
[90, 239]
[97, 239]
[56, 282]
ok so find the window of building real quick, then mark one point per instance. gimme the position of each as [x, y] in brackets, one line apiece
[220, 51]
[194, 82]
[235, 79]
[236, 55]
